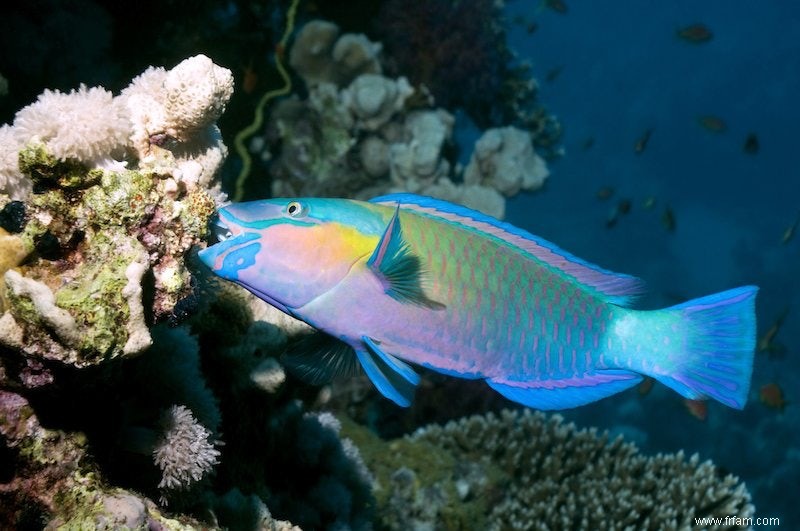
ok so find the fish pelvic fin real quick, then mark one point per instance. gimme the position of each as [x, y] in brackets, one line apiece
[393, 378]
[317, 358]
[717, 356]
[399, 270]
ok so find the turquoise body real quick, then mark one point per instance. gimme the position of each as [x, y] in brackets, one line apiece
[406, 278]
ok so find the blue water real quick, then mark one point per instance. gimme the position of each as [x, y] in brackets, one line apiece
[623, 70]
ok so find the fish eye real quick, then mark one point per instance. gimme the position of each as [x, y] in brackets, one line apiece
[295, 209]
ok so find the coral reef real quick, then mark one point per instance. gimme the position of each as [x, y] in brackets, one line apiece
[321, 54]
[443, 44]
[525, 470]
[56, 481]
[114, 189]
[360, 134]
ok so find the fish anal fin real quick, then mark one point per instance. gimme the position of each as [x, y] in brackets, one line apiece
[568, 393]
[399, 270]
[318, 358]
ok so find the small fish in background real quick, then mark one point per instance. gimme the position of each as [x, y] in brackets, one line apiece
[250, 79]
[766, 343]
[604, 193]
[751, 145]
[668, 219]
[771, 395]
[622, 208]
[641, 142]
[646, 386]
[588, 143]
[697, 408]
[529, 25]
[788, 234]
[713, 123]
[695, 33]
[553, 73]
[649, 202]
[559, 6]
[612, 218]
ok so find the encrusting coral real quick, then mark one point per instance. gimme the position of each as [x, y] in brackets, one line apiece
[525, 470]
[114, 189]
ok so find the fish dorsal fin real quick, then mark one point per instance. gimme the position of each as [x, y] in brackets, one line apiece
[398, 269]
[318, 358]
[613, 287]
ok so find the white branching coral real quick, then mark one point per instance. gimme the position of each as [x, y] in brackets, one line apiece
[185, 453]
[12, 182]
[87, 124]
[173, 109]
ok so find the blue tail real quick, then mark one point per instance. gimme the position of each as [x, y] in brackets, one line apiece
[717, 361]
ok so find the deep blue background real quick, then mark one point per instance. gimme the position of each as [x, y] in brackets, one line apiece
[624, 70]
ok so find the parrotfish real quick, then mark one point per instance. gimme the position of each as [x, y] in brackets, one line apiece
[406, 280]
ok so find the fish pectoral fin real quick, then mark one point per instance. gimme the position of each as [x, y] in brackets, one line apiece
[563, 394]
[397, 365]
[318, 358]
[388, 374]
[399, 270]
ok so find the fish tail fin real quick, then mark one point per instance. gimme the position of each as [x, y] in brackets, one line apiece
[717, 356]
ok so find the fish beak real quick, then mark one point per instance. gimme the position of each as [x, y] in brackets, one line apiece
[219, 231]
[223, 239]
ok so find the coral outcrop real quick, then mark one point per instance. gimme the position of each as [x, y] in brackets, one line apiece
[526, 470]
[360, 134]
[115, 191]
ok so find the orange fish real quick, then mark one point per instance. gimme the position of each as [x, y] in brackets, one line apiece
[695, 33]
[604, 193]
[697, 408]
[712, 123]
[250, 79]
[771, 395]
[646, 385]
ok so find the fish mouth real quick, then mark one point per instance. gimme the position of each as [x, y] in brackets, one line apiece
[222, 239]
[219, 231]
